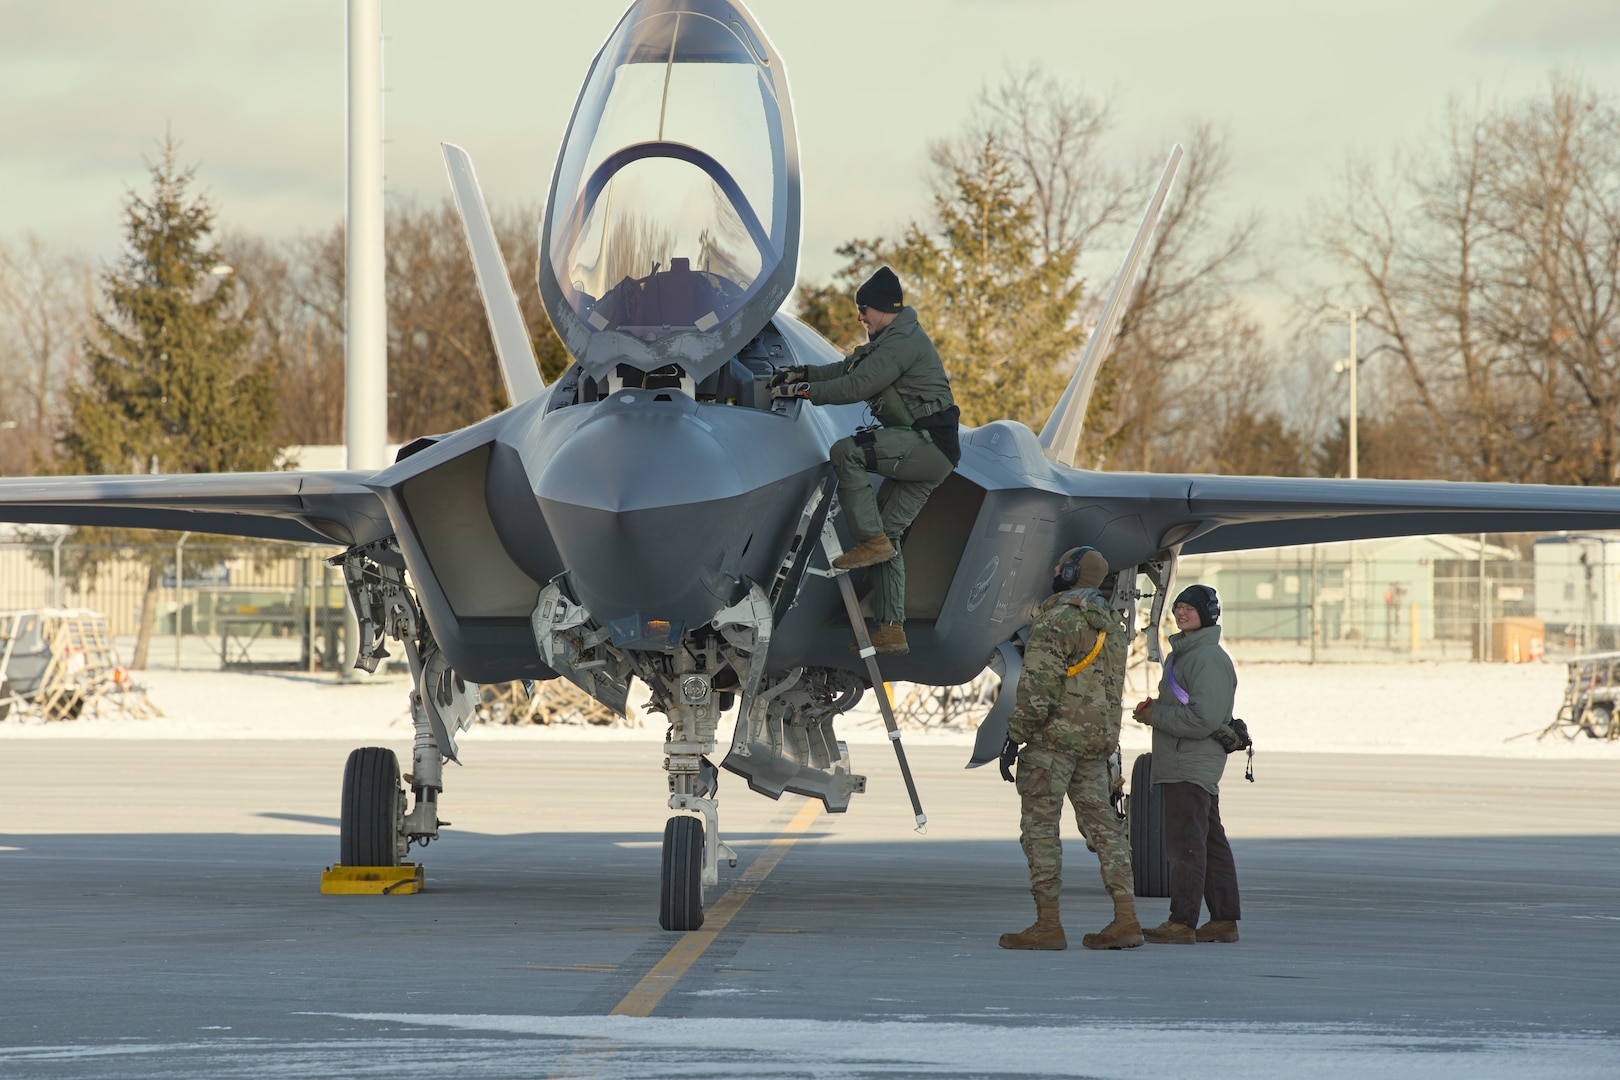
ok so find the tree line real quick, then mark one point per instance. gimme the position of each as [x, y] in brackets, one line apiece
[1484, 264]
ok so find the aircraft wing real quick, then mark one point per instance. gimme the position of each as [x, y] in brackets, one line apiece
[1231, 513]
[314, 507]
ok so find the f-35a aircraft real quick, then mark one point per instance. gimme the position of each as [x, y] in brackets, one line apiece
[656, 514]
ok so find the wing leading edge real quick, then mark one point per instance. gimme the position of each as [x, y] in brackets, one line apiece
[313, 507]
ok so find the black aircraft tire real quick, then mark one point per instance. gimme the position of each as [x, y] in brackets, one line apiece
[368, 819]
[680, 882]
[1150, 861]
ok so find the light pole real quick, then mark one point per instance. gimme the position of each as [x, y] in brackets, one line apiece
[1351, 364]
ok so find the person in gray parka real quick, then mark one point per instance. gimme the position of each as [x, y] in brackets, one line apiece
[1195, 699]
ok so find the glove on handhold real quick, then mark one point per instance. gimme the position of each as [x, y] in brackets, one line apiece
[791, 390]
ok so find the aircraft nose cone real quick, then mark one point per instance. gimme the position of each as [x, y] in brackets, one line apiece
[664, 510]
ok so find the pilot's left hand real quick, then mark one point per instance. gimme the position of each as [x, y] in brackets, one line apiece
[786, 375]
[791, 390]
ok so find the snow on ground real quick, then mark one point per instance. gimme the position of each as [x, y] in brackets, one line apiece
[1493, 710]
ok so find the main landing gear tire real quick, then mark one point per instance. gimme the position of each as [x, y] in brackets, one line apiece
[1150, 860]
[680, 882]
[370, 814]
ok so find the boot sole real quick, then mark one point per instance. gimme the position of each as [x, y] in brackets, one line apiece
[1217, 941]
[1050, 946]
[1100, 947]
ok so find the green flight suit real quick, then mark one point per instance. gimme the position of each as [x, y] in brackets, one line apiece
[900, 377]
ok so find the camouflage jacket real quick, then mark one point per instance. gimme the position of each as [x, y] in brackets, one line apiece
[1072, 714]
[898, 374]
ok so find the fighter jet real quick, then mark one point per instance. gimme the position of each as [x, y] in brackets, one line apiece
[655, 515]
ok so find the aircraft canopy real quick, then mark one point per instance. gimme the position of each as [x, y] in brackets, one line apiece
[674, 210]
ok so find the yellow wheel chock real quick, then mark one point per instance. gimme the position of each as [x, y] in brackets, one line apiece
[401, 880]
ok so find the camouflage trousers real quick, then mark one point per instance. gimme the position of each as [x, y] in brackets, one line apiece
[1044, 778]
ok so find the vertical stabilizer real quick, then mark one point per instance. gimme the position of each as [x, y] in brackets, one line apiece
[1060, 438]
[512, 344]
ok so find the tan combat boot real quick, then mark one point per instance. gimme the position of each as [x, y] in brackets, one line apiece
[1123, 933]
[890, 640]
[869, 552]
[1218, 930]
[887, 640]
[1171, 933]
[1046, 934]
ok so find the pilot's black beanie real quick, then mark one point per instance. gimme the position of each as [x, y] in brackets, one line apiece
[881, 291]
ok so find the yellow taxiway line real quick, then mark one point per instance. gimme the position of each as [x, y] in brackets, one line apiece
[646, 995]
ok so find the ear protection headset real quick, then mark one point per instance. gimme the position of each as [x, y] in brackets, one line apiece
[1212, 603]
[1069, 568]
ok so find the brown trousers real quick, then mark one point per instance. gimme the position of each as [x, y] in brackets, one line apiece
[1201, 866]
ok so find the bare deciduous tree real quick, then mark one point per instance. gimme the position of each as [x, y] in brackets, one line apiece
[1492, 268]
[47, 304]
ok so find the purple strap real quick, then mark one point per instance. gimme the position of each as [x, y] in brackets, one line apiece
[1175, 687]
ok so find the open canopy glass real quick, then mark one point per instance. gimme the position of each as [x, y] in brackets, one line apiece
[672, 231]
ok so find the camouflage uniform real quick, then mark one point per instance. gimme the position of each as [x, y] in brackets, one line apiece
[1070, 724]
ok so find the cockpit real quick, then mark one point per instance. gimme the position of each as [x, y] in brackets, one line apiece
[671, 236]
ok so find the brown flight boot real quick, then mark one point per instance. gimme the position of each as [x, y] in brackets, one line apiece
[869, 552]
[1218, 930]
[1171, 933]
[1123, 933]
[888, 639]
[1046, 934]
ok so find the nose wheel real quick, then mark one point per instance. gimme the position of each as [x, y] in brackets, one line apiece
[680, 881]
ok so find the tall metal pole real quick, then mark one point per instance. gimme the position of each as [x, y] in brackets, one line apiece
[365, 418]
[1355, 456]
[365, 413]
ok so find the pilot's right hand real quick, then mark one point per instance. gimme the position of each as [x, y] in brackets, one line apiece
[791, 390]
[787, 375]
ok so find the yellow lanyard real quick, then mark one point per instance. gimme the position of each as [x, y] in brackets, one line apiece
[1102, 636]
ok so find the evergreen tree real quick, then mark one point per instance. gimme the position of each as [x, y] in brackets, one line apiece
[169, 386]
[999, 307]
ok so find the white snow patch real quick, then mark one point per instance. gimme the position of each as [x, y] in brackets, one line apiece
[849, 1048]
[1493, 710]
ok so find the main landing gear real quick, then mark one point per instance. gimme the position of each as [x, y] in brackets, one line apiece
[372, 821]
[379, 820]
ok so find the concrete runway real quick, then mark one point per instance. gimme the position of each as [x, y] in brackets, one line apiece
[1404, 916]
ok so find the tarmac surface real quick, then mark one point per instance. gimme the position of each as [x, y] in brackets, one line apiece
[1404, 916]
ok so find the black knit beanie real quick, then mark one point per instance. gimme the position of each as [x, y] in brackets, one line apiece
[1204, 601]
[881, 292]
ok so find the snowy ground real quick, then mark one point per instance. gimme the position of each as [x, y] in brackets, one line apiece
[1494, 710]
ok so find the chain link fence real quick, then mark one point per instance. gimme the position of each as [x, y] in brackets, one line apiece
[258, 606]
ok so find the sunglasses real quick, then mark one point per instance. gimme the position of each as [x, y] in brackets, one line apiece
[861, 308]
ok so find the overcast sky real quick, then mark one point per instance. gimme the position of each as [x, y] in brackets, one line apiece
[254, 91]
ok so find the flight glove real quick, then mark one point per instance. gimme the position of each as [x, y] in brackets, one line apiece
[1009, 755]
[786, 375]
[791, 390]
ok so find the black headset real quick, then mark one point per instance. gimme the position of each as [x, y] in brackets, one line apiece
[1211, 602]
[1069, 568]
